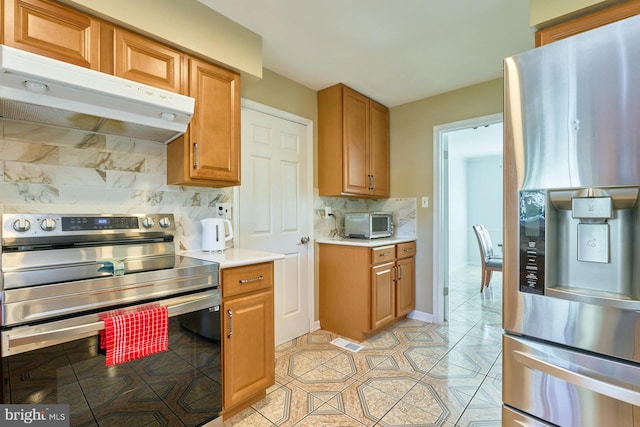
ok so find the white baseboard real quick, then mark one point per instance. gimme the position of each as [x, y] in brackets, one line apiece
[419, 315]
[315, 325]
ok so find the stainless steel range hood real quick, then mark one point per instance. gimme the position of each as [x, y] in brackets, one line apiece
[42, 90]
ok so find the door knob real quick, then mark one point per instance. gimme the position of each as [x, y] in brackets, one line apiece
[305, 240]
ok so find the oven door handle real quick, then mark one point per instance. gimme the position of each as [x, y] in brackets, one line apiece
[26, 338]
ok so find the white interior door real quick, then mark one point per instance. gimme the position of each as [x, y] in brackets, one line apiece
[275, 208]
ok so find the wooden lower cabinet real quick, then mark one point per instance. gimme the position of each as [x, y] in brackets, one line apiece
[248, 343]
[363, 289]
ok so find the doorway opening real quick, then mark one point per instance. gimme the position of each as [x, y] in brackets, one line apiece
[467, 191]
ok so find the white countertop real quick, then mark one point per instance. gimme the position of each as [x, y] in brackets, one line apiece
[234, 257]
[370, 243]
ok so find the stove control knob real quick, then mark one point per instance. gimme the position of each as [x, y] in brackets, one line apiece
[21, 225]
[48, 224]
[165, 222]
[148, 222]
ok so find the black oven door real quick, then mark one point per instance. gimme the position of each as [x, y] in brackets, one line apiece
[61, 363]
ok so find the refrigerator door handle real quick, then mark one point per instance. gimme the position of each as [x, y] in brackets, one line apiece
[579, 379]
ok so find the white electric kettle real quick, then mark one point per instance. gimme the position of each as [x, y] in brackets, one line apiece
[215, 233]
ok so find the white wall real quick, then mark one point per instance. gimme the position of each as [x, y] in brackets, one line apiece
[474, 190]
[484, 201]
[458, 223]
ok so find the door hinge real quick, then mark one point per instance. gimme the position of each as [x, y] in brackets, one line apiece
[445, 292]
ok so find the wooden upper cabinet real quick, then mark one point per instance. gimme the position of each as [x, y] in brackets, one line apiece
[4, 25]
[52, 30]
[209, 152]
[587, 22]
[140, 59]
[353, 144]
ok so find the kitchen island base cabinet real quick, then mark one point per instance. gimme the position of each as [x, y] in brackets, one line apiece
[365, 289]
[248, 342]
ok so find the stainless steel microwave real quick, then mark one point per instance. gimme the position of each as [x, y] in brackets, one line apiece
[368, 225]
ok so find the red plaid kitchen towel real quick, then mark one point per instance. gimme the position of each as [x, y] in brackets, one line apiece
[135, 335]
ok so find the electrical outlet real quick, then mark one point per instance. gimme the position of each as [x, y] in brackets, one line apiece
[223, 210]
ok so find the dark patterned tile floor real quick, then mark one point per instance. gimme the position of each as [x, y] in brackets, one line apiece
[177, 387]
[411, 374]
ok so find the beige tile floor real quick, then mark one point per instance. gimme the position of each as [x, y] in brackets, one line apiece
[412, 374]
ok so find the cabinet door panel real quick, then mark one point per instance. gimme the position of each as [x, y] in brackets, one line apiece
[380, 150]
[248, 347]
[406, 288]
[215, 129]
[382, 295]
[146, 61]
[356, 143]
[52, 30]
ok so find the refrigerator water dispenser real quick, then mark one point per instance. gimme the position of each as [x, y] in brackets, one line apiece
[592, 234]
[593, 229]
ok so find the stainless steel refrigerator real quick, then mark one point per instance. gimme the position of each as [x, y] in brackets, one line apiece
[571, 272]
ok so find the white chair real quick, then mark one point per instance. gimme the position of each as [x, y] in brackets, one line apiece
[490, 261]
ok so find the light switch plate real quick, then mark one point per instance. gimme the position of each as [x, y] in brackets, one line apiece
[425, 201]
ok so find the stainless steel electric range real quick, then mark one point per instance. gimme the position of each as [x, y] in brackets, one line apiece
[62, 274]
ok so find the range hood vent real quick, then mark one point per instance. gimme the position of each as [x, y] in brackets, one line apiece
[45, 91]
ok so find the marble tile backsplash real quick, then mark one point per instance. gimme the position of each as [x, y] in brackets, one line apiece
[51, 170]
[45, 169]
[404, 214]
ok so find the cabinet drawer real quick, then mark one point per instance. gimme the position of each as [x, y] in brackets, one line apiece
[406, 250]
[383, 254]
[248, 278]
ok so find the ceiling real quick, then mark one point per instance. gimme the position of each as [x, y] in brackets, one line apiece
[394, 51]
